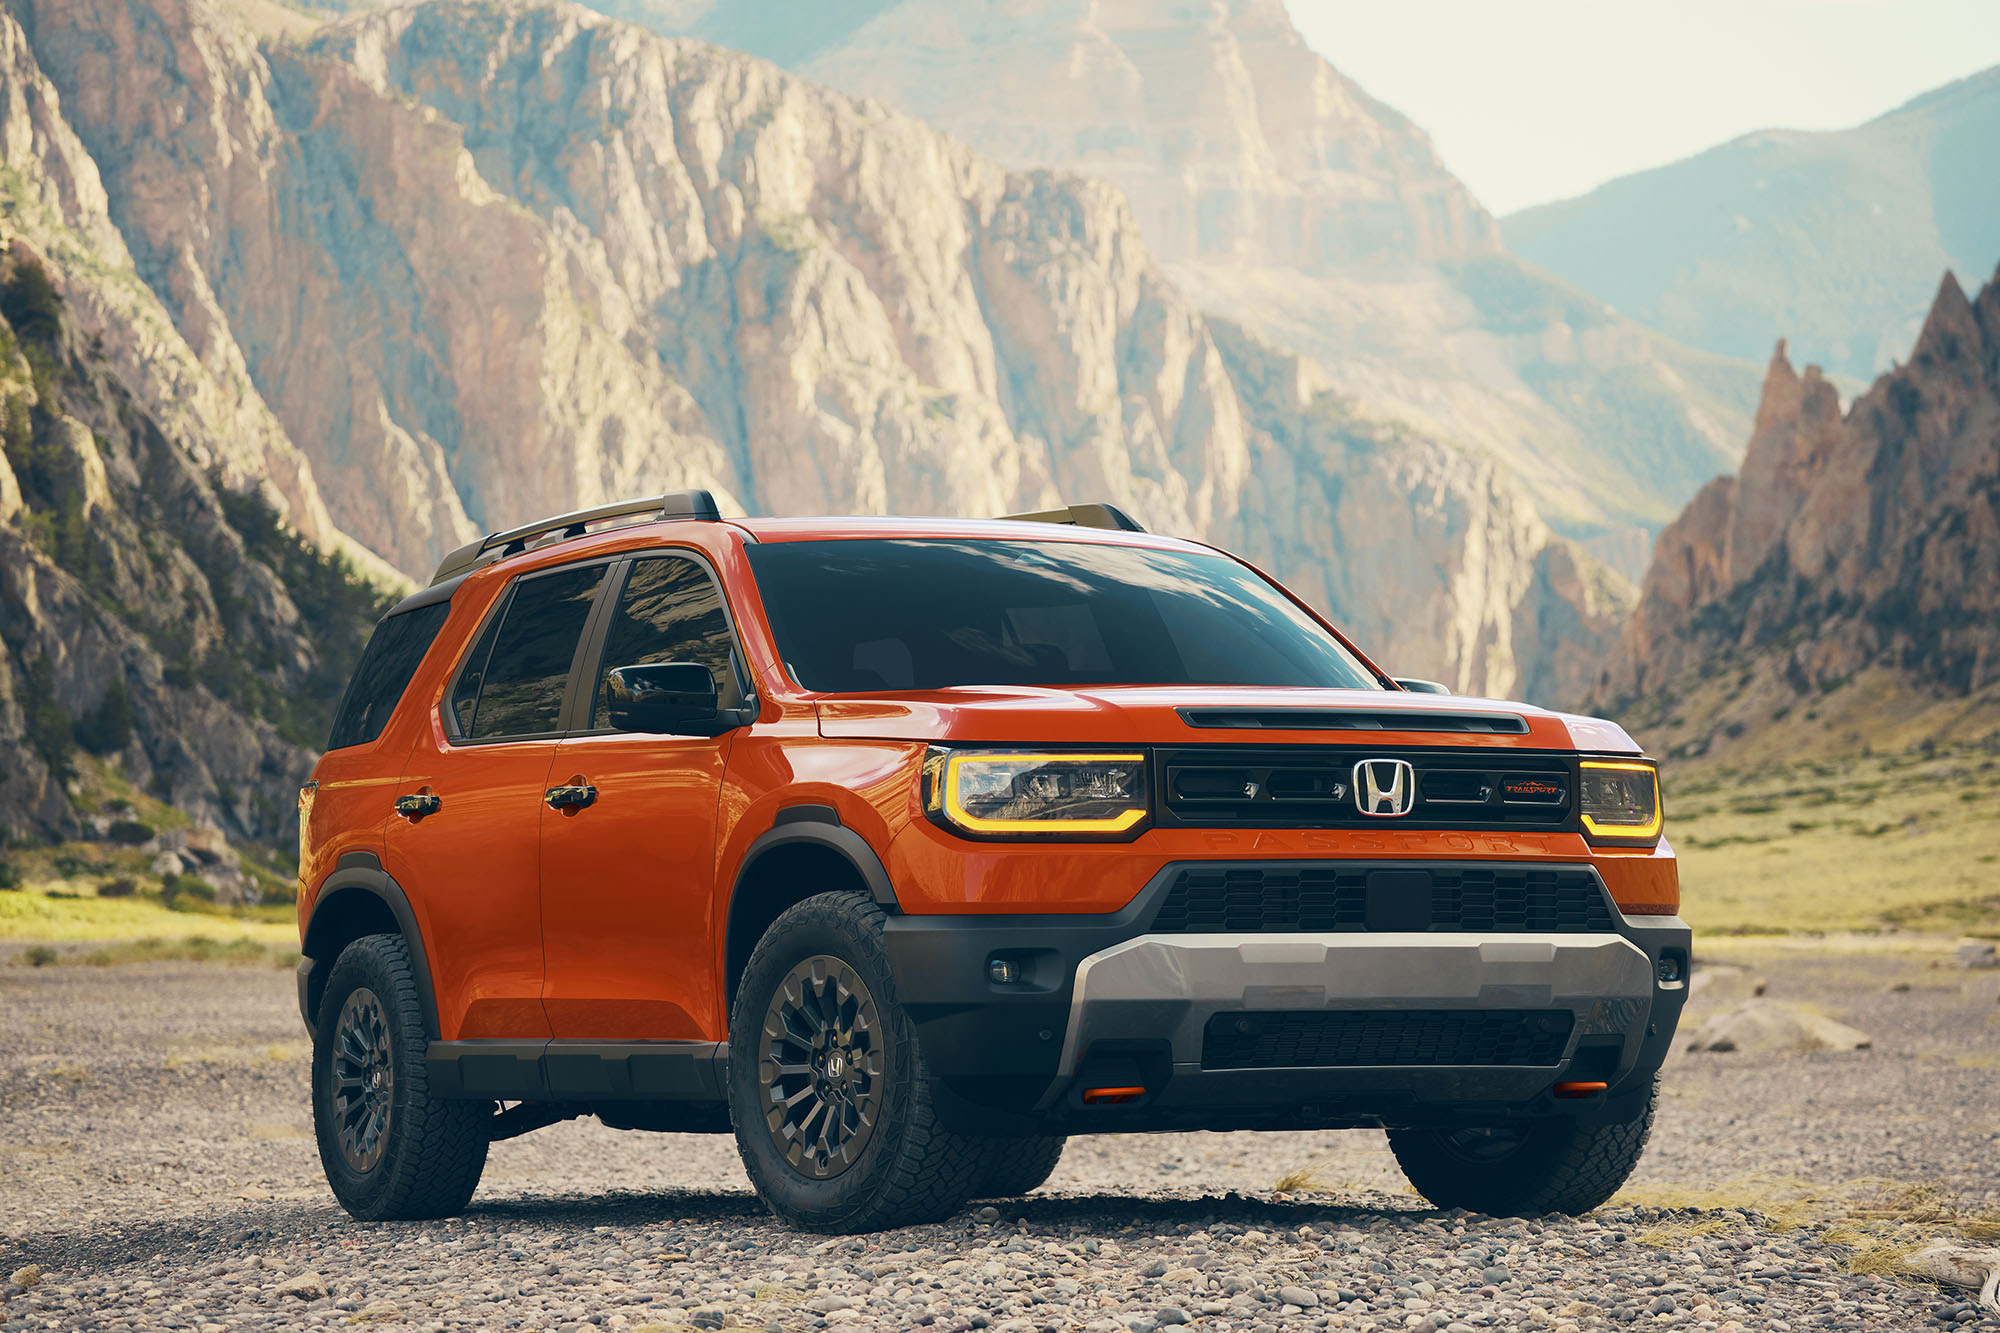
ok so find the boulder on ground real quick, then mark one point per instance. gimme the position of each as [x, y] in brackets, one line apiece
[1978, 954]
[1724, 983]
[306, 1287]
[1762, 1026]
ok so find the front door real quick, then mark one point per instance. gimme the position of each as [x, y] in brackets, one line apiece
[627, 895]
[470, 852]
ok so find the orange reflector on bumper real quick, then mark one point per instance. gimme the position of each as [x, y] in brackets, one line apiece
[1115, 1096]
[1574, 1090]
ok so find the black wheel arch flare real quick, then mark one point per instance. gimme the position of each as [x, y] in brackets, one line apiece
[360, 873]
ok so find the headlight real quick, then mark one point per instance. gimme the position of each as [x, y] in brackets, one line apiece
[1621, 800]
[1031, 793]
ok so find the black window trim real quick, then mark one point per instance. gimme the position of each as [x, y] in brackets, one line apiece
[573, 717]
[577, 709]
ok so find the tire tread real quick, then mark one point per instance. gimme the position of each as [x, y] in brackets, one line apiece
[1018, 1166]
[929, 1171]
[1564, 1172]
[438, 1148]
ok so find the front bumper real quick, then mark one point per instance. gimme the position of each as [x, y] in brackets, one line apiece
[1284, 1028]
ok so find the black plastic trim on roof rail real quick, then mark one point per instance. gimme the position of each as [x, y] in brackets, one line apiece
[698, 505]
[1352, 719]
[1109, 517]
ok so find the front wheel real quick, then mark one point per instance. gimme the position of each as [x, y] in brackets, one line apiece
[1549, 1166]
[828, 1091]
[390, 1149]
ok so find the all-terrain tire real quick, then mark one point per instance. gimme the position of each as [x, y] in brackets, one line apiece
[1557, 1166]
[1017, 1166]
[428, 1155]
[908, 1168]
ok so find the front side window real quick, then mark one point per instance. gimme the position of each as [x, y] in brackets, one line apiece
[901, 614]
[513, 681]
[668, 611]
[394, 652]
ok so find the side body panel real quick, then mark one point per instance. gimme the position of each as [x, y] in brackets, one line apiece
[346, 808]
[473, 873]
[627, 911]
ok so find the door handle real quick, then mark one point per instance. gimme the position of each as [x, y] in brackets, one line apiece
[418, 804]
[572, 797]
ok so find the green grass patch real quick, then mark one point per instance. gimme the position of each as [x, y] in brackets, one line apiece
[240, 952]
[1871, 842]
[35, 915]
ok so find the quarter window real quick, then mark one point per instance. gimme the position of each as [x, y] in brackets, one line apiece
[669, 611]
[394, 652]
[515, 688]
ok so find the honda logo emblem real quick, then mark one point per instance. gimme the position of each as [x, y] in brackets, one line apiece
[1384, 787]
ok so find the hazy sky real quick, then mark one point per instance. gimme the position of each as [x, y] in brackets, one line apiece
[1532, 100]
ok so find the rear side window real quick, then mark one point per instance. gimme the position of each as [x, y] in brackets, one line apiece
[394, 652]
[513, 682]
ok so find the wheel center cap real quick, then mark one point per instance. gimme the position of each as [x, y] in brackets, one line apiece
[835, 1064]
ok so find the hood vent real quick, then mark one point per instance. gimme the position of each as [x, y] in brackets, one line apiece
[1341, 719]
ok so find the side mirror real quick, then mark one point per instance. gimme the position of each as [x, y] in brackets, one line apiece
[1422, 686]
[669, 698]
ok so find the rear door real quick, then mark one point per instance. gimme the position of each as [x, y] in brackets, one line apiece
[472, 863]
[346, 805]
[626, 902]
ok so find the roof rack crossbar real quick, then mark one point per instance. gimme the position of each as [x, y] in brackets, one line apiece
[513, 541]
[1105, 516]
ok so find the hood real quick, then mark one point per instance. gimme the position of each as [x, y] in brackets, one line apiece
[1209, 715]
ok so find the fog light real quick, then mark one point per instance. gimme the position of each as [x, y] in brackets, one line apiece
[1003, 971]
[1670, 971]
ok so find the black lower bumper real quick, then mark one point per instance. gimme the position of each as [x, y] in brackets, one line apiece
[1341, 1037]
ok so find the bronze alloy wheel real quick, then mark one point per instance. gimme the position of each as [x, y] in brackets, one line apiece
[364, 1080]
[820, 1067]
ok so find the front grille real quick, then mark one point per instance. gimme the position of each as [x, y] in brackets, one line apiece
[1356, 895]
[1314, 786]
[1332, 1039]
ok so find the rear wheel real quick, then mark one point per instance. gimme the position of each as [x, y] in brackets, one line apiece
[1548, 1166]
[828, 1091]
[1018, 1166]
[390, 1149]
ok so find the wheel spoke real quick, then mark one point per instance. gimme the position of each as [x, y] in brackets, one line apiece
[362, 1080]
[821, 1066]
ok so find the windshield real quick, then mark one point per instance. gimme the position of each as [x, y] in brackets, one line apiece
[928, 614]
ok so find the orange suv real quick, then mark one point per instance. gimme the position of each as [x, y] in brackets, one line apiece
[906, 848]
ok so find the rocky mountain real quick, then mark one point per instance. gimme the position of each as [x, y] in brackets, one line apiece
[1280, 195]
[1852, 565]
[480, 261]
[151, 616]
[1833, 239]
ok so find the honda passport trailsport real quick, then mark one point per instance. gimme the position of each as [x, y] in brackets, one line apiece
[904, 849]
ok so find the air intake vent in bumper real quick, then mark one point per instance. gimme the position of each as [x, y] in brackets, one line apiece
[1356, 895]
[1327, 1039]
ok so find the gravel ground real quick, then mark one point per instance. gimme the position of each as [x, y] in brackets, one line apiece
[157, 1166]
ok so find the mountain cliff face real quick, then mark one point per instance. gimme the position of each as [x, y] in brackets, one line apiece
[1833, 238]
[150, 615]
[1280, 195]
[486, 261]
[1851, 542]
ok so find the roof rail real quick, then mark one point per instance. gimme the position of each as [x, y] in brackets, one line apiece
[1105, 516]
[674, 504]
